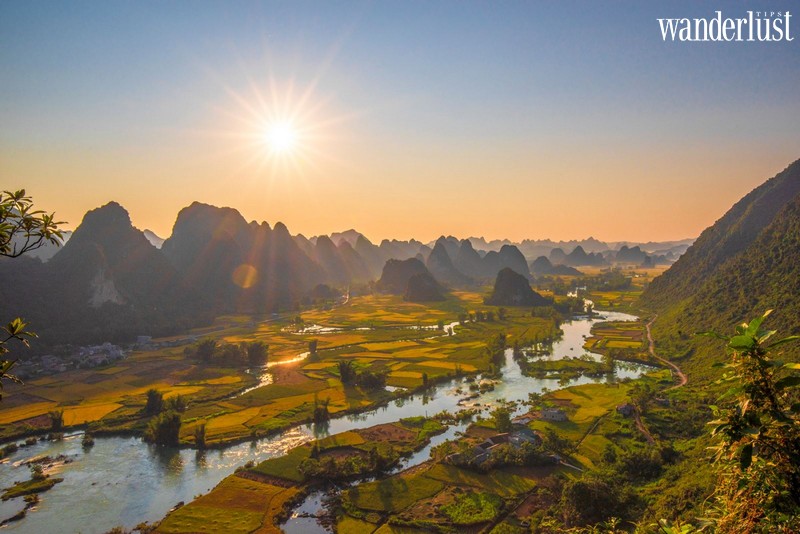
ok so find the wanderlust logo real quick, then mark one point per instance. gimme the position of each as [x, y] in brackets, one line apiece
[763, 26]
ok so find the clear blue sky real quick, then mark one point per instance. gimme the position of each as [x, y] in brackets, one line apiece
[427, 111]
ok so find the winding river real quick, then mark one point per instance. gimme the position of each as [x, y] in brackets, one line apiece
[123, 481]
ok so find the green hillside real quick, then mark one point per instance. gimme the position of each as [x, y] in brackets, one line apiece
[739, 267]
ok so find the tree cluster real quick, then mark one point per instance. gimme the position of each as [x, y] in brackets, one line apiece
[209, 351]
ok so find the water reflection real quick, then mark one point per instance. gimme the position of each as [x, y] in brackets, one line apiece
[200, 461]
[121, 481]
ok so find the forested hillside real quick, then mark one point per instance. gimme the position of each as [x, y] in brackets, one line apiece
[742, 265]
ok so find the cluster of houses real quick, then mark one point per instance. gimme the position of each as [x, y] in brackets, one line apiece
[480, 453]
[81, 358]
[91, 356]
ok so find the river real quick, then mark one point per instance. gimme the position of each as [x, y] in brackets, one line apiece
[123, 481]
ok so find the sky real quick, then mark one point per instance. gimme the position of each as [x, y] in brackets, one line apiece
[503, 119]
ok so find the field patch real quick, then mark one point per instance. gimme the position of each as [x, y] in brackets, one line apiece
[394, 494]
[449, 365]
[230, 379]
[405, 374]
[389, 345]
[112, 370]
[25, 412]
[236, 505]
[500, 482]
[78, 415]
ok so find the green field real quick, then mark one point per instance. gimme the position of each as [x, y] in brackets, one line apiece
[254, 498]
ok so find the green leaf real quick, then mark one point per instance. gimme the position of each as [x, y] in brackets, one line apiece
[743, 342]
[731, 392]
[766, 335]
[746, 456]
[755, 324]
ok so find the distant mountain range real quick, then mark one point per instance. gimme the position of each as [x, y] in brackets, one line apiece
[111, 281]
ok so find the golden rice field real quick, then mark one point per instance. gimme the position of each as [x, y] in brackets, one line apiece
[114, 396]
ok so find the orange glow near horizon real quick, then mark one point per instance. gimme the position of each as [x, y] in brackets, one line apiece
[526, 121]
[610, 200]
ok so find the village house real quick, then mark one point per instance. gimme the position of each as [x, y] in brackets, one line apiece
[481, 452]
[626, 410]
[553, 414]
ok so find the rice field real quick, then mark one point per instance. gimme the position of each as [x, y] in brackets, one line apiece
[114, 396]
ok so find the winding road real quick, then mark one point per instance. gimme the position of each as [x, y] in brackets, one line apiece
[682, 379]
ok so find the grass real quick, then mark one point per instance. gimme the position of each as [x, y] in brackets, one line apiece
[286, 466]
[393, 494]
[235, 505]
[341, 440]
[473, 508]
[29, 487]
[501, 482]
[351, 525]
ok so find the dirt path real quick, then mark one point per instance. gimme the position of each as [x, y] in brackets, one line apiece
[643, 429]
[682, 379]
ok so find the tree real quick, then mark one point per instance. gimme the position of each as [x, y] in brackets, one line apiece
[164, 429]
[56, 420]
[347, 372]
[321, 413]
[502, 419]
[758, 436]
[312, 346]
[206, 349]
[257, 352]
[501, 314]
[372, 379]
[608, 360]
[641, 395]
[591, 499]
[22, 229]
[177, 403]
[231, 355]
[200, 436]
[556, 443]
[155, 402]
[496, 346]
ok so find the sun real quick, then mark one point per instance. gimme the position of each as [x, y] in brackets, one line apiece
[281, 137]
[280, 130]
